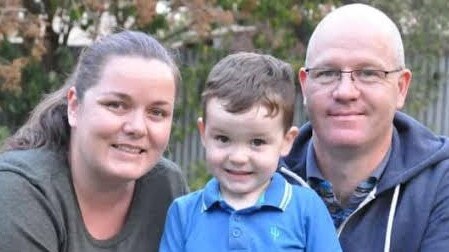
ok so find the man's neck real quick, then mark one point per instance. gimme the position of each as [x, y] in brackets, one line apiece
[347, 168]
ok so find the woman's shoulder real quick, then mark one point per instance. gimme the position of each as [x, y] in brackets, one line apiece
[165, 168]
[37, 163]
[166, 174]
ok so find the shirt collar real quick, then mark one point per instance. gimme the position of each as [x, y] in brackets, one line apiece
[312, 170]
[277, 195]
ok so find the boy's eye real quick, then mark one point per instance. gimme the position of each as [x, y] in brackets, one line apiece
[221, 138]
[258, 142]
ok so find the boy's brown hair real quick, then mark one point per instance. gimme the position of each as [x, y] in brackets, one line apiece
[245, 79]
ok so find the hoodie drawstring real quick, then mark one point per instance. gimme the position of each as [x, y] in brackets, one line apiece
[393, 206]
[294, 176]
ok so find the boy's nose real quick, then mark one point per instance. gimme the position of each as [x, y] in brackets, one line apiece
[238, 155]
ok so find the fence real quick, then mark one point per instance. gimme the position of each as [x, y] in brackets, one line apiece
[432, 110]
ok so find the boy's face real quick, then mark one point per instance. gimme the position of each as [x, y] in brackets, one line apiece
[243, 149]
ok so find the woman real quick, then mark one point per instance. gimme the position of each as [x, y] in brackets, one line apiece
[86, 172]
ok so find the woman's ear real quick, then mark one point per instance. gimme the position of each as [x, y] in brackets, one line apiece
[72, 107]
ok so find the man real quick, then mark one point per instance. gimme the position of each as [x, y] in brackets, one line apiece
[383, 176]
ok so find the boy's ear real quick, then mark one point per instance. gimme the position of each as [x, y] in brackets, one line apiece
[72, 107]
[289, 138]
[201, 128]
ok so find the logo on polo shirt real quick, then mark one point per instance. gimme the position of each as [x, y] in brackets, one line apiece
[275, 233]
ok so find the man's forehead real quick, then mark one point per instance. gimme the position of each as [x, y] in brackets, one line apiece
[352, 30]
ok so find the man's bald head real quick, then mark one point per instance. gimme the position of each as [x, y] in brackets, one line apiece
[357, 19]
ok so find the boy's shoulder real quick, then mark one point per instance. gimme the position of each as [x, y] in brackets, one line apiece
[301, 196]
[190, 198]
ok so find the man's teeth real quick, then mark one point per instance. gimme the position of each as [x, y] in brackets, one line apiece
[128, 148]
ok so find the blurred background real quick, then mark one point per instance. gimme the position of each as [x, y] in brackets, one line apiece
[40, 41]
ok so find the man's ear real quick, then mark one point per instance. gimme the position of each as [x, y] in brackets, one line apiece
[72, 107]
[289, 138]
[201, 128]
[403, 84]
[302, 77]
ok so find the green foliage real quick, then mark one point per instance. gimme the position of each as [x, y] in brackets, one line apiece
[159, 23]
[4, 133]
[424, 25]
[197, 62]
[282, 28]
[36, 81]
[198, 175]
[9, 51]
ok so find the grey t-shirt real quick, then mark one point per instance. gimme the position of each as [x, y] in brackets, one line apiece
[39, 211]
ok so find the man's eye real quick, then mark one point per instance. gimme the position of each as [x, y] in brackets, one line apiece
[221, 138]
[326, 73]
[258, 142]
[369, 73]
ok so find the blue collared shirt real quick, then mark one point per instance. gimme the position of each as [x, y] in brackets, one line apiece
[324, 188]
[286, 218]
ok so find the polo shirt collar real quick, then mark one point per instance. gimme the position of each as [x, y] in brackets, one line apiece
[277, 195]
[312, 170]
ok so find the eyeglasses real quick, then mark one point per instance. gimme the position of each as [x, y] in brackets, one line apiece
[330, 76]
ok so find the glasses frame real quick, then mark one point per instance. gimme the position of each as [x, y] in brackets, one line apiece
[386, 73]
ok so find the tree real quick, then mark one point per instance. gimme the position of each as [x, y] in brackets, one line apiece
[424, 25]
[202, 31]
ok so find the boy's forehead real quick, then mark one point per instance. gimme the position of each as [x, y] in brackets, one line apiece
[218, 116]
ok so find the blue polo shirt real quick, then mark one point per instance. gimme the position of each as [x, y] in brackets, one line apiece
[286, 218]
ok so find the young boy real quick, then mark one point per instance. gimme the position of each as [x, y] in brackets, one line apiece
[248, 106]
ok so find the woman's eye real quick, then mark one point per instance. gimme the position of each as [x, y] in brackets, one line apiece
[258, 142]
[158, 112]
[115, 105]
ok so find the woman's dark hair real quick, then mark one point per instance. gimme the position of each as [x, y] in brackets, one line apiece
[48, 124]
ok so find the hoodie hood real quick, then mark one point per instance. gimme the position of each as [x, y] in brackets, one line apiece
[414, 148]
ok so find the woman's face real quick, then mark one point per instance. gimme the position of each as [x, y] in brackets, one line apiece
[121, 127]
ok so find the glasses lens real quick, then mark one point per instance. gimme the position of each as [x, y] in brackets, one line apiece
[369, 76]
[324, 76]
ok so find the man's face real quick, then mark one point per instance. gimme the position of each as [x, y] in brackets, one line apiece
[349, 113]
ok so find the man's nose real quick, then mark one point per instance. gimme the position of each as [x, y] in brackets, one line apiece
[346, 87]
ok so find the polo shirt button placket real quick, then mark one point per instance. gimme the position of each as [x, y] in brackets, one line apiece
[236, 232]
